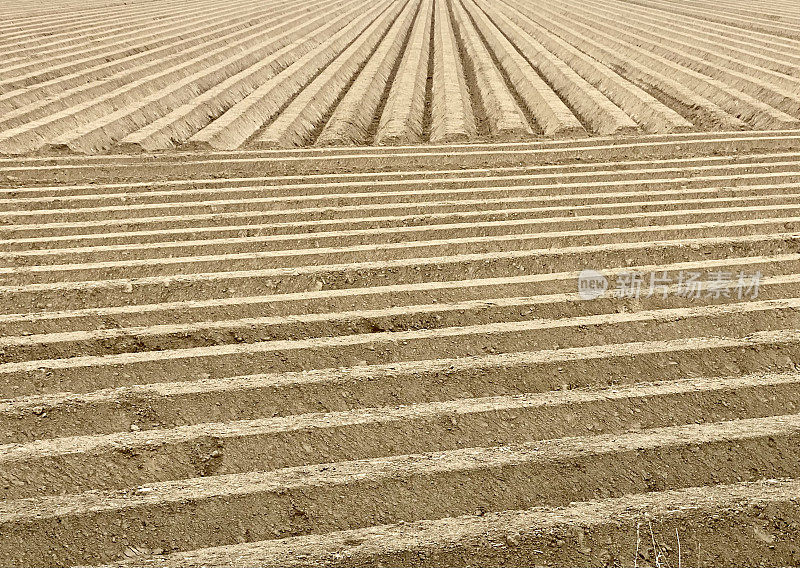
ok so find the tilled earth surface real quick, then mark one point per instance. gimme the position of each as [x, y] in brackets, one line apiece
[363, 357]
[105, 75]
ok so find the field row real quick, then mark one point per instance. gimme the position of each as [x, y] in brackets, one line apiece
[399, 368]
[283, 74]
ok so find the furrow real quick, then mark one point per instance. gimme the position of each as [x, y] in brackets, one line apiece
[648, 112]
[401, 121]
[442, 484]
[171, 404]
[504, 116]
[549, 111]
[526, 222]
[776, 89]
[108, 371]
[451, 109]
[546, 243]
[35, 134]
[443, 313]
[245, 118]
[297, 123]
[122, 460]
[593, 107]
[524, 537]
[268, 59]
[352, 119]
[177, 287]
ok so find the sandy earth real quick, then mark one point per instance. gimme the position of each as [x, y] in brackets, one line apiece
[282, 74]
[301, 283]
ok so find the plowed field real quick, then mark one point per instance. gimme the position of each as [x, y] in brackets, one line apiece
[403, 283]
[284, 73]
[325, 357]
